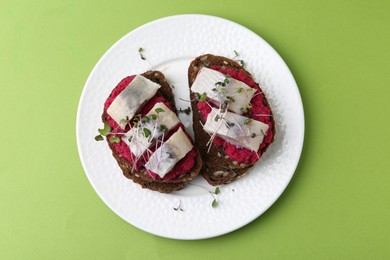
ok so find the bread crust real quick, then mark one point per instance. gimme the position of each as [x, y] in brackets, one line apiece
[141, 177]
[218, 168]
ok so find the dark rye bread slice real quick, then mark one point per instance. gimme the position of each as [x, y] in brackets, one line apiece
[141, 177]
[218, 168]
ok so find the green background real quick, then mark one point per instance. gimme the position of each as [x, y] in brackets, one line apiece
[337, 204]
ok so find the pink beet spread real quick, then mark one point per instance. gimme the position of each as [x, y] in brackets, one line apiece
[183, 166]
[243, 155]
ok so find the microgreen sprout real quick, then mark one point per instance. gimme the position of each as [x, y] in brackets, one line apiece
[247, 121]
[106, 130]
[235, 54]
[159, 110]
[140, 50]
[229, 124]
[146, 132]
[99, 138]
[187, 111]
[114, 139]
[178, 207]
[217, 191]
[231, 99]
[163, 128]
[200, 97]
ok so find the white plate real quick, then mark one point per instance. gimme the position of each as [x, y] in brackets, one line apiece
[169, 45]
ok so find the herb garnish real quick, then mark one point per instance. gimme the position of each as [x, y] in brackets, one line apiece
[146, 132]
[178, 207]
[159, 110]
[187, 111]
[114, 139]
[229, 124]
[217, 191]
[163, 128]
[99, 138]
[106, 130]
[140, 50]
[236, 54]
[200, 97]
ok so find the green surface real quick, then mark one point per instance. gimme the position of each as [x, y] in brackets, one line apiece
[337, 205]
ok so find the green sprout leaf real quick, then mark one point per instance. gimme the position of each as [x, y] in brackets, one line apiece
[114, 139]
[123, 121]
[215, 203]
[153, 116]
[187, 111]
[247, 120]
[137, 117]
[242, 63]
[146, 132]
[249, 89]
[140, 50]
[235, 54]
[163, 128]
[229, 124]
[145, 119]
[228, 76]
[202, 97]
[222, 90]
[214, 89]
[240, 90]
[106, 130]
[249, 106]
[231, 99]
[217, 191]
[99, 138]
[159, 110]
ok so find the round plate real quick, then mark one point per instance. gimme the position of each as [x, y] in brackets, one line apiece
[169, 45]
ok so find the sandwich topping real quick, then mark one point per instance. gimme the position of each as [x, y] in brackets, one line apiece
[153, 125]
[234, 113]
[236, 129]
[146, 131]
[221, 88]
[169, 153]
[131, 99]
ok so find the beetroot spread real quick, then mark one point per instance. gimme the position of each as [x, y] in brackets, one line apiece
[243, 155]
[183, 166]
